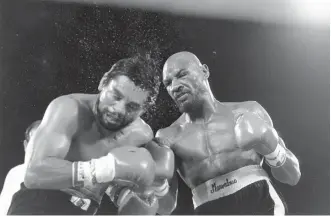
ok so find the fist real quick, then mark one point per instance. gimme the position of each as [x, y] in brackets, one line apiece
[133, 165]
[252, 132]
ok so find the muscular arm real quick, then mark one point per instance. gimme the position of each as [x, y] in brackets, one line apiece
[289, 172]
[47, 168]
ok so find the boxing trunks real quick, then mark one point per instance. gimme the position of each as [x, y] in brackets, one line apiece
[49, 202]
[246, 191]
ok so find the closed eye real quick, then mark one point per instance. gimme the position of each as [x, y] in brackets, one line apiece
[182, 73]
[133, 106]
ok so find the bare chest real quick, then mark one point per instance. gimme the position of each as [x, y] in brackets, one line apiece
[198, 141]
[91, 144]
[88, 145]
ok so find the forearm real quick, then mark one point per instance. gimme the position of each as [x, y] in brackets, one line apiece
[289, 172]
[49, 173]
[284, 165]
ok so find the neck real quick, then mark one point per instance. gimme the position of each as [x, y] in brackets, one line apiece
[204, 109]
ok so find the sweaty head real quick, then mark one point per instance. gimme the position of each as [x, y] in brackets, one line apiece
[185, 79]
[126, 91]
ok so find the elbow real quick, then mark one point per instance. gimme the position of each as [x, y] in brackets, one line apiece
[295, 179]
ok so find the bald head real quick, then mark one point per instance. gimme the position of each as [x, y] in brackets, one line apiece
[181, 59]
[185, 79]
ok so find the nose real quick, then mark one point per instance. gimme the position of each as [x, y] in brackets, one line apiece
[118, 107]
[176, 89]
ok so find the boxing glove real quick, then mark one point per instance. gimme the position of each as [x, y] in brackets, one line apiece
[165, 165]
[118, 194]
[252, 132]
[139, 204]
[129, 165]
[163, 157]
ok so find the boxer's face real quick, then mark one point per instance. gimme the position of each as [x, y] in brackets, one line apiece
[184, 83]
[120, 103]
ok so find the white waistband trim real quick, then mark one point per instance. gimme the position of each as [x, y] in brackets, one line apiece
[227, 184]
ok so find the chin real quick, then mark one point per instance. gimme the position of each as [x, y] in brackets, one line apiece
[184, 107]
[109, 125]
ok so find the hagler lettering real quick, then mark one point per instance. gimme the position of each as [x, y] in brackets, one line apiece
[215, 188]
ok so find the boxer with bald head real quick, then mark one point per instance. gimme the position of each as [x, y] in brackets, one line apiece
[220, 146]
[87, 142]
[15, 176]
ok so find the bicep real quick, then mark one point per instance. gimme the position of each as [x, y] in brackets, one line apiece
[54, 135]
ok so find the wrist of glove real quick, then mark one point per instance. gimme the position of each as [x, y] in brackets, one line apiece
[94, 171]
[277, 158]
[160, 189]
[119, 194]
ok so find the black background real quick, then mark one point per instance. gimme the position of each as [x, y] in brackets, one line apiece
[50, 49]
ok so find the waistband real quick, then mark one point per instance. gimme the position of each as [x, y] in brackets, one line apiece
[227, 184]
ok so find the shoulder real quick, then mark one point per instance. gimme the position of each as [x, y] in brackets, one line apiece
[64, 113]
[15, 172]
[243, 105]
[65, 104]
[239, 108]
[73, 104]
[167, 135]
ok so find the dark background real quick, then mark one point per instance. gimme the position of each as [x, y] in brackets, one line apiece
[50, 49]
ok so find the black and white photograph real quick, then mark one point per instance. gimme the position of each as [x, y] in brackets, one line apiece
[165, 107]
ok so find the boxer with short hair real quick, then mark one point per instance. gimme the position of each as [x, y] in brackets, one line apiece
[87, 141]
[15, 176]
[220, 146]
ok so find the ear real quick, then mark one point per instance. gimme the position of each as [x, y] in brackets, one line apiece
[103, 81]
[205, 70]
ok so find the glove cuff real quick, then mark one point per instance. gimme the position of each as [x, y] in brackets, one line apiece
[162, 189]
[82, 173]
[104, 168]
[276, 158]
[93, 171]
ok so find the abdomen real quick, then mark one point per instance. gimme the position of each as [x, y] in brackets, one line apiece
[197, 172]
